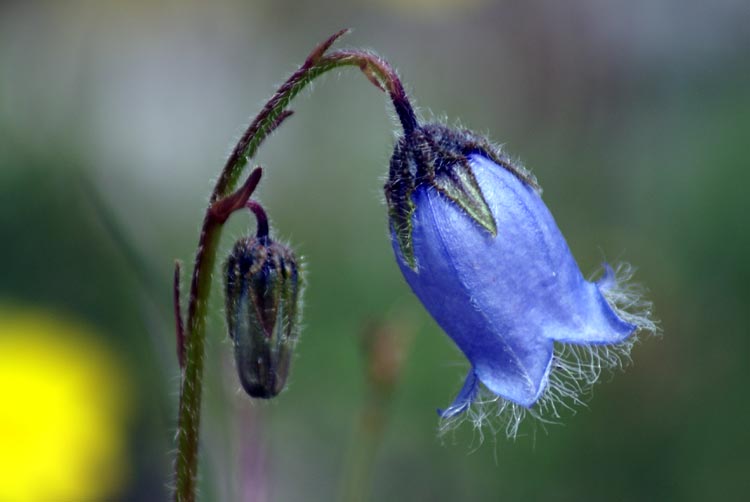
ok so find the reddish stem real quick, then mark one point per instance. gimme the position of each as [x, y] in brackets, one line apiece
[260, 217]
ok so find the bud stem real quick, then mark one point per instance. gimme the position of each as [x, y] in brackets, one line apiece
[260, 217]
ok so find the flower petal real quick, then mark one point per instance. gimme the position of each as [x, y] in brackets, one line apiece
[465, 397]
[539, 262]
[511, 358]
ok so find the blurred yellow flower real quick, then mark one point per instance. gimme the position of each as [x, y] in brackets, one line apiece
[63, 408]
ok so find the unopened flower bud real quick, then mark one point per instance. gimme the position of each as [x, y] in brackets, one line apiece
[263, 305]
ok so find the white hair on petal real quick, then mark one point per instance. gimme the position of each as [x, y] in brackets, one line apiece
[575, 370]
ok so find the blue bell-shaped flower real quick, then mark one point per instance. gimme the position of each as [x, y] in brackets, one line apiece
[482, 252]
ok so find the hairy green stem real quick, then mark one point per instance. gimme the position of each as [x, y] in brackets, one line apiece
[222, 205]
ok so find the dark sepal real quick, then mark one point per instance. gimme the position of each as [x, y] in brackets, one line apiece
[398, 190]
[436, 156]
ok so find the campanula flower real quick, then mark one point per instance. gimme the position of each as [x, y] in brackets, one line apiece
[482, 252]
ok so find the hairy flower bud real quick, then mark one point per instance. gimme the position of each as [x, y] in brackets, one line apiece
[263, 305]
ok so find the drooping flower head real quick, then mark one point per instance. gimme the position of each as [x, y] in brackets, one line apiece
[482, 252]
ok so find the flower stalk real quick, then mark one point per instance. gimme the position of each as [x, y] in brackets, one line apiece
[223, 202]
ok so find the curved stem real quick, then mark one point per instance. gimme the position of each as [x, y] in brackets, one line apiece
[222, 205]
[260, 217]
[179, 327]
[379, 71]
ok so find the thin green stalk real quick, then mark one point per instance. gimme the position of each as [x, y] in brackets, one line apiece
[385, 346]
[221, 206]
[357, 480]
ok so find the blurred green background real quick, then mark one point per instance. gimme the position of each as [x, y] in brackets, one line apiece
[115, 118]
